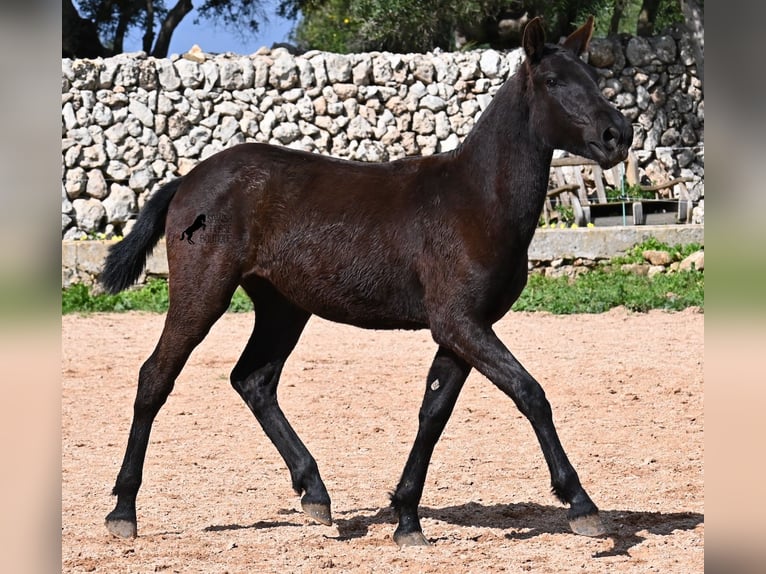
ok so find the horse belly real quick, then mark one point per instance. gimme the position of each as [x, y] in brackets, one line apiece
[353, 286]
[356, 303]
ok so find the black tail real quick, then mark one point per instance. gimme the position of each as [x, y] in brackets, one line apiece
[127, 259]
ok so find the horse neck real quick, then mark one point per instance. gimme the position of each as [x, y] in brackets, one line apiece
[509, 163]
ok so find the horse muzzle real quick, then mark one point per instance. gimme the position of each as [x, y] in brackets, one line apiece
[612, 143]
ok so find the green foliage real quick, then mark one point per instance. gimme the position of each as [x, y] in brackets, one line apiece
[669, 13]
[240, 302]
[348, 26]
[566, 214]
[600, 290]
[328, 26]
[391, 25]
[631, 192]
[409, 26]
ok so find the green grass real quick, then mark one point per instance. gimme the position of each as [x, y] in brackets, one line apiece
[152, 297]
[607, 286]
[596, 291]
[600, 290]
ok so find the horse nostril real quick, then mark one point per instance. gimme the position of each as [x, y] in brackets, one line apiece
[611, 137]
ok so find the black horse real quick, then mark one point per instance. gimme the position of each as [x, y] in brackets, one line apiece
[436, 243]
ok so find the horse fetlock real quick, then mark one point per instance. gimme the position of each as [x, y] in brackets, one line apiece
[408, 532]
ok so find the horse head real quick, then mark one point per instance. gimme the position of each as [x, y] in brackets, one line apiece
[567, 108]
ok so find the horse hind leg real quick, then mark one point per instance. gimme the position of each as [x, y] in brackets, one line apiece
[278, 325]
[183, 331]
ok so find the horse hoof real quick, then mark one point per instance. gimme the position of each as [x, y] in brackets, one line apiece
[319, 512]
[589, 525]
[411, 539]
[122, 528]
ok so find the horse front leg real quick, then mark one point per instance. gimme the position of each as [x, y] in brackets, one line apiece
[483, 350]
[443, 384]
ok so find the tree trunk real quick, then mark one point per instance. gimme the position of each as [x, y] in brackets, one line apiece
[119, 33]
[173, 19]
[148, 38]
[646, 17]
[79, 37]
[694, 15]
[619, 9]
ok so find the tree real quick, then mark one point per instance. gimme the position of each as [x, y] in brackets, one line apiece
[79, 36]
[417, 25]
[647, 17]
[113, 19]
[410, 25]
[694, 16]
[614, 23]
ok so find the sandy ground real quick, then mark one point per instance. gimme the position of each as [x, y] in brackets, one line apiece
[627, 397]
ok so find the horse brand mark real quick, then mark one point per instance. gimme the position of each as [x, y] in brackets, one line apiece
[219, 229]
[215, 227]
[199, 223]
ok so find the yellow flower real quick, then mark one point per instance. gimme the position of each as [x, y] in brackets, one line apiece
[590, 225]
[346, 20]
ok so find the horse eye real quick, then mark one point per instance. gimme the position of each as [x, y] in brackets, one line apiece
[550, 82]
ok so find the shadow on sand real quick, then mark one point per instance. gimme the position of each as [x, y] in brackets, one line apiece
[531, 519]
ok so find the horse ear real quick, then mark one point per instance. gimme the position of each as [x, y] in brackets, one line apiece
[578, 40]
[534, 39]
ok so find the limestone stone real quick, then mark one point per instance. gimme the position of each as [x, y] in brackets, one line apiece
[694, 261]
[120, 203]
[284, 73]
[190, 72]
[96, 185]
[167, 75]
[90, 214]
[656, 257]
[76, 181]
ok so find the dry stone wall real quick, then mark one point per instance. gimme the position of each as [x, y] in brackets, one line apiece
[132, 122]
